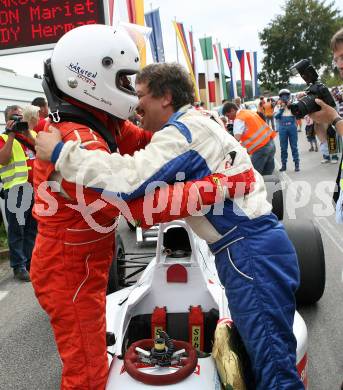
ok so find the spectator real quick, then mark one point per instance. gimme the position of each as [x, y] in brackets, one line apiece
[238, 102]
[255, 135]
[269, 113]
[31, 115]
[220, 108]
[17, 155]
[43, 112]
[287, 131]
[260, 108]
[310, 134]
[277, 106]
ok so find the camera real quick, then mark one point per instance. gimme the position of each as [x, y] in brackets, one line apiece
[307, 104]
[19, 126]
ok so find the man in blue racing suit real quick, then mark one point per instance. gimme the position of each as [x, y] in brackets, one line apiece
[255, 259]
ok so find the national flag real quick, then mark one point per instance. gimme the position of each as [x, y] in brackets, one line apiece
[207, 55]
[253, 74]
[233, 86]
[257, 89]
[219, 57]
[153, 20]
[131, 10]
[111, 9]
[206, 48]
[184, 43]
[135, 10]
[191, 42]
[250, 59]
[249, 64]
[240, 56]
[180, 32]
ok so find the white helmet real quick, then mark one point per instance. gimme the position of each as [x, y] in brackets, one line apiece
[92, 64]
[284, 91]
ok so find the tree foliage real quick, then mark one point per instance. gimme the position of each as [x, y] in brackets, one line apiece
[303, 30]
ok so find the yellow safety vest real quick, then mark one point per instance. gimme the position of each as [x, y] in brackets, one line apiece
[16, 171]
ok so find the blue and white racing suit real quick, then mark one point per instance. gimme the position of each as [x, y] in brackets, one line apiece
[288, 133]
[256, 261]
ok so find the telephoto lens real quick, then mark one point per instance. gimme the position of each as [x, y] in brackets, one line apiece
[304, 106]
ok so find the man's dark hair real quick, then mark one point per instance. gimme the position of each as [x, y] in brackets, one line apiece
[9, 110]
[168, 77]
[39, 102]
[227, 107]
[337, 39]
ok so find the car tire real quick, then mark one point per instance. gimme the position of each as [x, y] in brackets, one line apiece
[115, 275]
[308, 244]
[274, 194]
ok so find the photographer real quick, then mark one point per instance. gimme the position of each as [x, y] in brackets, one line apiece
[17, 154]
[287, 128]
[328, 114]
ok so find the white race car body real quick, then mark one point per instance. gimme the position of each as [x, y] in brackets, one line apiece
[159, 286]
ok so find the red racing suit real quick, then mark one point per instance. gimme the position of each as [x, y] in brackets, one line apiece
[71, 259]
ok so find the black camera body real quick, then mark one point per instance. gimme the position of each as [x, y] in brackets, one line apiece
[19, 126]
[306, 104]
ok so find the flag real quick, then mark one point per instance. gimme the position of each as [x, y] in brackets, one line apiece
[192, 50]
[250, 59]
[240, 56]
[131, 10]
[135, 10]
[219, 57]
[111, 8]
[249, 64]
[233, 86]
[153, 20]
[206, 48]
[180, 32]
[207, 55]
[257, 89]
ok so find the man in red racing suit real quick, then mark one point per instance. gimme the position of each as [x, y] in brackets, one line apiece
[71, 258]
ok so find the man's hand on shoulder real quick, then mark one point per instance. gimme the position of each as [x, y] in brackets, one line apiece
[46, 143]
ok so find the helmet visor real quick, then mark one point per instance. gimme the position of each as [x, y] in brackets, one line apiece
[125, 81]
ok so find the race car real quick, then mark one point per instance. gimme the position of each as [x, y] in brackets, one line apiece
[165, 327]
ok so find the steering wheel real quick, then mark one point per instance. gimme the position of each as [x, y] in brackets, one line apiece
[188, 365]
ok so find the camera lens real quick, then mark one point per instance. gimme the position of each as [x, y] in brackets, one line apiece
[304, 106]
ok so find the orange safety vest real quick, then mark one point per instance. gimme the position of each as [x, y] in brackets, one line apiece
[257, 133]
[268, 109]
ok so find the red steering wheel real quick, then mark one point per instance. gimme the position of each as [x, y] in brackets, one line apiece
[188, 364]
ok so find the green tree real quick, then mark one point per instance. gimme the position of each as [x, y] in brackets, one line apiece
[303, 30]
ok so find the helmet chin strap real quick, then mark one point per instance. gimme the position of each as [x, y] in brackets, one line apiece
[63, 111]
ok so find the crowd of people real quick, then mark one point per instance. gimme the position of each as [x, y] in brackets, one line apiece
[277, 115]
[68, 260]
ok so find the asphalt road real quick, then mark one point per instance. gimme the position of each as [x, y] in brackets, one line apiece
[28, 356]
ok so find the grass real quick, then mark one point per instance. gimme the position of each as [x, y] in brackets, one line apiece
[3, 236]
